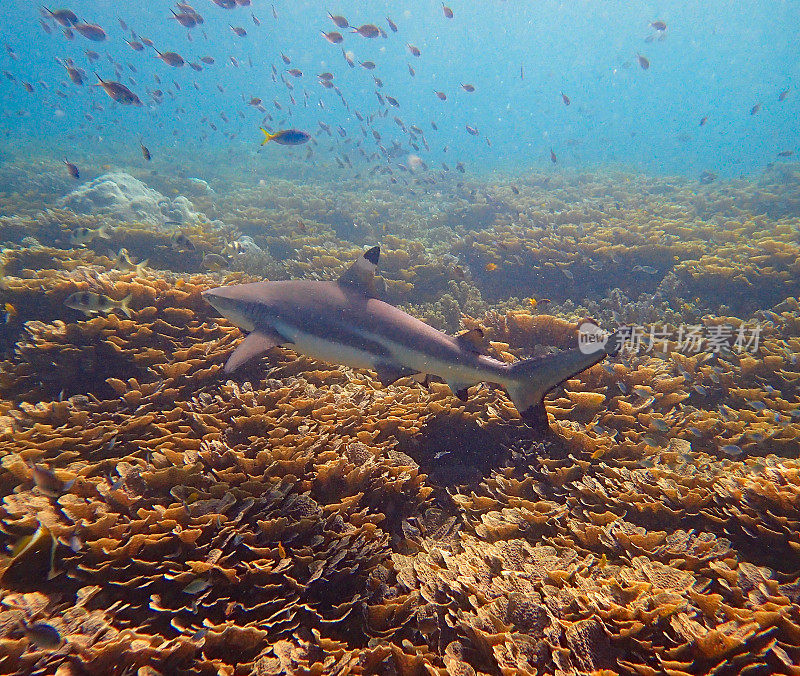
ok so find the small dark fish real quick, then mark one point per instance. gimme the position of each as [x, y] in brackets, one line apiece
[703, 120]
[659, 25]
[411, 70]
[448, 13]
[145, 152]
[414, 50]
[339, 21]
[286, 137]
[392, 24]
[521, 72]
[553, 157]
[333, 37]
[44, 635]
[782, 96]
[565, 99]
[255, 20]
[707, 177]
[63, 17]
[47, 482]
[786, 153]
[368, 30]
[643, 61]
[95, 303]
[119, 92]
[441, 95]
[238, 30]
[75, 75]
[185, 19]
[135, 45]
[209, 60]
[90, 31]
[392, 101]
[468, 88]
[369, 65]
[181, 242]
[472, 130]
[285, 59]
[171, 58]
[755, 109]
[72, 170]
[295, 72]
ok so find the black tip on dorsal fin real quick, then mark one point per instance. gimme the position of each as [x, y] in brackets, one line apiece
[373, 254]
[361, 274]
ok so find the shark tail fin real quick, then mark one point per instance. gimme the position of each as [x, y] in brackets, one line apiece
[531, 379]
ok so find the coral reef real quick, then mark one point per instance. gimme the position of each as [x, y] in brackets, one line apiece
[122, 197]
[302, 518]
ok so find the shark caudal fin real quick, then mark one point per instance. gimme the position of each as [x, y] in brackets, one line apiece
[531, 379]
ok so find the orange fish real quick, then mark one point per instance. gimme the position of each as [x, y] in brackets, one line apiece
[490, 267]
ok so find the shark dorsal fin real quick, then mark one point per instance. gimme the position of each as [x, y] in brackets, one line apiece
[361, 274]
[472, 340]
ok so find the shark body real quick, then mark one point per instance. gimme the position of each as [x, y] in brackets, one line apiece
[342, 322]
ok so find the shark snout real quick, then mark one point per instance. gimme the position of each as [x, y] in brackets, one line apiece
[223, 300]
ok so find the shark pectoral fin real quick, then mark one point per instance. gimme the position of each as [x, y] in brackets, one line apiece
[361, 274]
[472, 340]
[388, 373]
[255, 344]
[459, 389]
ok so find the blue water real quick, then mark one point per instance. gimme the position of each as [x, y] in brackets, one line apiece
[716, 59]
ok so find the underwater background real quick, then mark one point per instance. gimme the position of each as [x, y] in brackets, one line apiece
[526, 168]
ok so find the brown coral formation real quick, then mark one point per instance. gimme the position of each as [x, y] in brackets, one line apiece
[303, 518]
